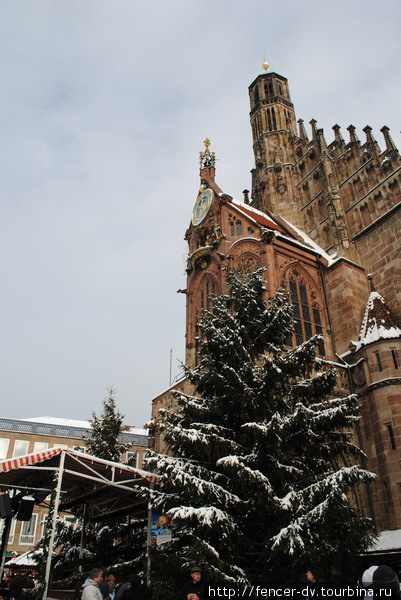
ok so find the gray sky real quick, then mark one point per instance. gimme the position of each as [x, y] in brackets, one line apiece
[103, 108]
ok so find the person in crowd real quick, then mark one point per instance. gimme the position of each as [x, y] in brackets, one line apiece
[137, 590]
[380, 581]
[15, 586]
[111, 582]
[194, 589]
[122, 588]
[315, 583]
[29, 583]
[104, 586]
[91, 589]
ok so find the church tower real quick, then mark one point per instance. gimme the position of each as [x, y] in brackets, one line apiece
[273, 125]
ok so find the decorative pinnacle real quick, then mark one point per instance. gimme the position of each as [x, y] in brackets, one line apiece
[206, 158]
[372, 285]
[265, 65]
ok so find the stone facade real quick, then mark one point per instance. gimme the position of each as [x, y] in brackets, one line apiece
[321, 217]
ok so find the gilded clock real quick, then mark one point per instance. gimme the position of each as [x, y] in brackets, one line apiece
[202, 206]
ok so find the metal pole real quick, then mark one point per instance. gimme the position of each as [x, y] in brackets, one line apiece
[82, 540]
[4, 543]
[171, 363]
[54, 522]
[149, 534]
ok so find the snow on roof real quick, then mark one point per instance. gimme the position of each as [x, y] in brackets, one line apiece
[28, 559]
[59, 421]
[378, 322]
[388, 541]
[81, 424]
[311, 243]
[257, 215]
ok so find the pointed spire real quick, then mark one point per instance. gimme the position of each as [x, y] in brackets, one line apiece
[321, 140]
[337, 134]
[370, 141]
[353, 138]
[390, 146]
[313, 123]
[302, 130]
[369, 136]
[378, 321]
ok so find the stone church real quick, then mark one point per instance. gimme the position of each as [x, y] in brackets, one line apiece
[324, 219]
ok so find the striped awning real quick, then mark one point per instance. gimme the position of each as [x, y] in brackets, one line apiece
[27, 459]
[110, 488]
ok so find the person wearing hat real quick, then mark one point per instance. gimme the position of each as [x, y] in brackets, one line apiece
[195, 588]
[381, 581]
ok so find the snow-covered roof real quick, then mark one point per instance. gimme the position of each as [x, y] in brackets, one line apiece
[28, 559]
[80, 424]
[59, 421]
[257, 215]
[378, 322]
[388, 541]
[311, 243]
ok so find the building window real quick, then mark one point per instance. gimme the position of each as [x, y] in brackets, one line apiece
[307, 317]
[232, 230]
[40, 446]
[396, 361]
[20, 447]
[391, 436]
[80, 449]
[132, 459]
[12, 530]
[378, 361]
[239, 227]
[4, 443]
[256, 94]
[28, 529]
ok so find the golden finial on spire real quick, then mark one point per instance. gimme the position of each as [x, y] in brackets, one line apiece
[207, 143]
[265, 64]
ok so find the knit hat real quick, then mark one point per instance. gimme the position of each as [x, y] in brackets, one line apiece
[367, 577]
[196, 570]
[381, 577]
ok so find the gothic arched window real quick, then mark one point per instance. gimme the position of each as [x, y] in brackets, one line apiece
[307, 315]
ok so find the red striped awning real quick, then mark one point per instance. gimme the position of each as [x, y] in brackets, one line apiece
[29, 459]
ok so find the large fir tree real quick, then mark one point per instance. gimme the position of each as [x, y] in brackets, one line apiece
[260, 481]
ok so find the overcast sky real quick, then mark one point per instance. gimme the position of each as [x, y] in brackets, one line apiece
[103, 108]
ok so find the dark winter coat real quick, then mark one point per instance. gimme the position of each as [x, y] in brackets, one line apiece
[315, 589]
[137, 590]
[104, 588]
[194, 587]
[16, 585]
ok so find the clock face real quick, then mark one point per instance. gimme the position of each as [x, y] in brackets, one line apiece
[202, 206]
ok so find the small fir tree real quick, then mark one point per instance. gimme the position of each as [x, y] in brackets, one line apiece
[104, 431]
[100, 538]
[259, 484]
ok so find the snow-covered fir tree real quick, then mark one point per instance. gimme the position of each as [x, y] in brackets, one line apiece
[109, 542]
[102, 440]
[260, 480]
